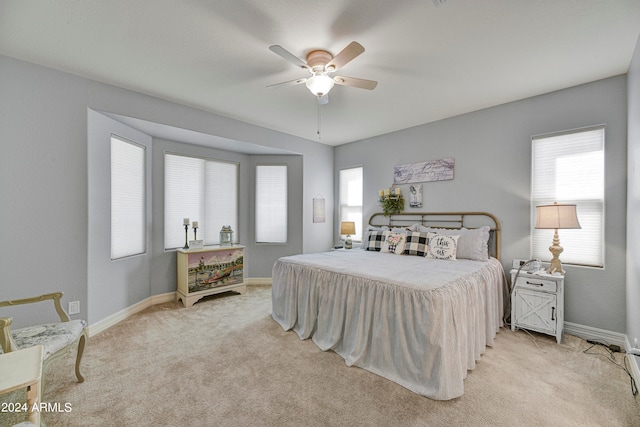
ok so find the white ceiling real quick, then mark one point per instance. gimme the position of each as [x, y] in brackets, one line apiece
[431, 62]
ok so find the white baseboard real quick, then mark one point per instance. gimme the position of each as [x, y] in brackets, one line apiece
[128, 312]
[634, 361]
[607, 337]
[259, 281]
[595, 334]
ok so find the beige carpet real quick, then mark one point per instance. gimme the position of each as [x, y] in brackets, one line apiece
[225, 362]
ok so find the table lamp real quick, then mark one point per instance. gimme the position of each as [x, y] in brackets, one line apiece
[556, 217]
[348, 228]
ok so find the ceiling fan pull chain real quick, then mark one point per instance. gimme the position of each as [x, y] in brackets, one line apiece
[319, 122]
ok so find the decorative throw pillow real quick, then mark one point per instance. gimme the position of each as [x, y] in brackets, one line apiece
[442, 247]
[394, 243]
[376, 239]
[472, 244]
[417, 243]
[365, 238]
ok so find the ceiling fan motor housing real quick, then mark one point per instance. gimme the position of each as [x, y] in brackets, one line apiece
[319, 59]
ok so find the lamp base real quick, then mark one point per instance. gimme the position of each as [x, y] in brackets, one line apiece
[348, 244]
[556, 250]
[555, 267]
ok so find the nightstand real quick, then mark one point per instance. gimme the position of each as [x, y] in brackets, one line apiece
[537, 303]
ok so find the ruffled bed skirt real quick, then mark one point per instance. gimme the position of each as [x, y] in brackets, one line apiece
[423, 339]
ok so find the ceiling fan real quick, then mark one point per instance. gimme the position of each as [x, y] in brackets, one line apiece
[321, 64]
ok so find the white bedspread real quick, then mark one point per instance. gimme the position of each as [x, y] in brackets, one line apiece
[419, 322]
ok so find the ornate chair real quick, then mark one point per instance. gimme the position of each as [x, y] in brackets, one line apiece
[57, 339]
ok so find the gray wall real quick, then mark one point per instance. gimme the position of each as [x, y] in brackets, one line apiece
[44, 188]
[265, 254]
[112, 285]
[492, 151]
[633, 199]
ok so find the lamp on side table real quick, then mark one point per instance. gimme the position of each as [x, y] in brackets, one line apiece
[348, 228]
[556, 217]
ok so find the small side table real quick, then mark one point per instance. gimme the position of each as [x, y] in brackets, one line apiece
[20, 369]
[537, 303]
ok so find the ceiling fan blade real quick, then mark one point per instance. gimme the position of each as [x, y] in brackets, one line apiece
[346, 55]
[284, 53]
[354, 82]
[289, 83]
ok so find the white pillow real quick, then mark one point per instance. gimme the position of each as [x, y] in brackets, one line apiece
[474, 244]
[394, 243]
[416, 227]
[442, 246]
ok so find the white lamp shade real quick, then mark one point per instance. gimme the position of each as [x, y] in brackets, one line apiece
[557, 216]
[348, 227]
[319, 84]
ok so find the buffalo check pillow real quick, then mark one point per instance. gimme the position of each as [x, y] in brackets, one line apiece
[417, 243]
[376, 239]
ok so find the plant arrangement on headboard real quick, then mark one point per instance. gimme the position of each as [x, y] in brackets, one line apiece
[391, 200]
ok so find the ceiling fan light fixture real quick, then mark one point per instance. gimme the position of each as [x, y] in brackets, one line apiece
[319, 84]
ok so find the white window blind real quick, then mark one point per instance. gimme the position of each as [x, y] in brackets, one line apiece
[202, 190]
[351, 183]
[128, 198]
[271, 203]
[568, 168]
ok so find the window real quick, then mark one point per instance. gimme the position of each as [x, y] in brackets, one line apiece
[351, 199]
[202, 190]
[568, 168]
[128, 199]
[271, 204]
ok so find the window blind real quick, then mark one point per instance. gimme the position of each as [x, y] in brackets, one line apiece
[568, 168]
[351, 196]
[271, 204]
[128, 198]
[202, 190]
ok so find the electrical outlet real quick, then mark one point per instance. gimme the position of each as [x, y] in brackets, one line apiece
[74, 307]
[518, 262]
[615, 348]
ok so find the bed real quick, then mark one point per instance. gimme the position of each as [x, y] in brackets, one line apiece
[395, 308]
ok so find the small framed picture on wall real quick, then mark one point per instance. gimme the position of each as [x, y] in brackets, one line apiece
[415, 195]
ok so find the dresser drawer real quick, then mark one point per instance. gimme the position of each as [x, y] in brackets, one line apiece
[537, 284]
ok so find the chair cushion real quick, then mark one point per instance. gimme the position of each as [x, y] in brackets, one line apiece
[52, 336]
